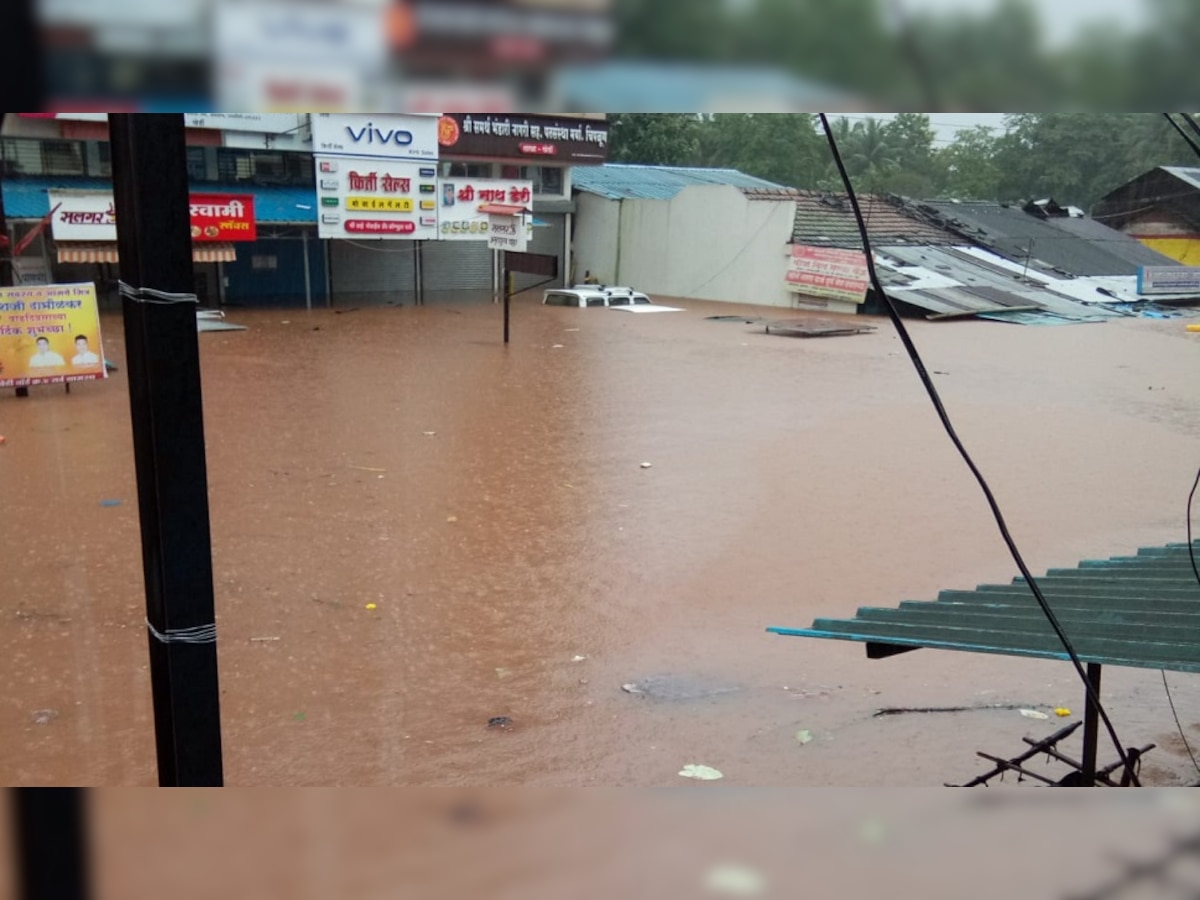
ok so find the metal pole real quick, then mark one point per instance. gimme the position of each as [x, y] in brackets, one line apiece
[1091, 719]
[307, 275]
[51, 843]
[163, 359]
[508, 290]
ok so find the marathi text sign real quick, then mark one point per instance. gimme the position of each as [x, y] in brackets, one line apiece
[523, 137]
[49, 334]
[92, 216]
[509, 232]
[365, 197]
[462, 214]
[1168, 280]
[828, 272]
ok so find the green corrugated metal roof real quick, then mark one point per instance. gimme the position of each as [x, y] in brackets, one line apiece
[1141, 611]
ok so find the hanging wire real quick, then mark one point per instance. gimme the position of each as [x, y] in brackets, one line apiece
[894, 314]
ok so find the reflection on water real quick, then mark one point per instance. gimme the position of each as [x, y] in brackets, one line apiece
[417, 529]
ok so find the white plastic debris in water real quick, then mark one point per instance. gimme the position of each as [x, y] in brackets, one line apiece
[578, 658]
[632, 689]
[701, 773]
[805, 736]
[1033, 714]
[735, 881]
[646, 465]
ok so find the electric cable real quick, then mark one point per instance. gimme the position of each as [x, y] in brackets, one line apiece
[893, 313]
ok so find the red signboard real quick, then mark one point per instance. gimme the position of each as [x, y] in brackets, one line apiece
[223, 217]
[828, 272]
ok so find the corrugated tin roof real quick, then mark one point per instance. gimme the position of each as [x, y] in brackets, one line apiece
[617, 181]
[26, 198]
[636, 86]
[1120, 245]
[1141, 611]
[1012, 232]
[952, 280]
[826, 219]
[1183, 173]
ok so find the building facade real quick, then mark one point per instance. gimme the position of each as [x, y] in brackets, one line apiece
[265, 163]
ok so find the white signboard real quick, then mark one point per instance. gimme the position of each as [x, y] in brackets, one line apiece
[1168, 280]
[509, 232]
[282, 30]
[461, 204]
[262, 123]
[83, 216]
[359, 135]
[367, 198]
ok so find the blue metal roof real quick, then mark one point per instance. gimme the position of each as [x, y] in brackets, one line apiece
[26, 198]
[1141, 611]
[626, 182]
[639, 86]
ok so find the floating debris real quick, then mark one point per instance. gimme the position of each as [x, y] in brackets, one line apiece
[810, 328]
[701, 773]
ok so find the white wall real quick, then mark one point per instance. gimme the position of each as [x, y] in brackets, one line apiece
[708, 243]
[596, 237]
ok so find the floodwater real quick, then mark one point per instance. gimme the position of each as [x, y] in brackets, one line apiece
[492, 503]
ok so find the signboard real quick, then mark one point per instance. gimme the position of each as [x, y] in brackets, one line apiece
[828, 272]
[509, 232]
[460, 216]
[49, 334]
[323, 55]
[395, 137]
[371, 198]
[533, 138]
[92, 216]
[262, 123]
[532, 264]
[1168, 280]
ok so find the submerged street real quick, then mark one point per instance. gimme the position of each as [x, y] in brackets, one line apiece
[417, 530]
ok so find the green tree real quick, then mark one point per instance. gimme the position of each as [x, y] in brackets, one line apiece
[781, 147]
[658, 139]
[969, 165]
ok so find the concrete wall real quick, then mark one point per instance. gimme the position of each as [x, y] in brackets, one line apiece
[596, 237]
[709, 242]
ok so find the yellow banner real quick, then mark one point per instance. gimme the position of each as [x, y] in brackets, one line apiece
[49, 334]
[380, 204]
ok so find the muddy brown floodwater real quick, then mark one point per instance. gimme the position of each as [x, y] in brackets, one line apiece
[492, 504]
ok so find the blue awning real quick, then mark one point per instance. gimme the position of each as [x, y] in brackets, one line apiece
[27, 198]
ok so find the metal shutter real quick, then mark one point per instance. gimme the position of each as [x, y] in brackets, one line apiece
[456, 270]
[374, 272]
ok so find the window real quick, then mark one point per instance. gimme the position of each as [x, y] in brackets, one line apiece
[466, 170]
[62, 158]
[554, 299]
[546, 179]
[596, 301]
[619, 300]
[264, 262]
[264, 168]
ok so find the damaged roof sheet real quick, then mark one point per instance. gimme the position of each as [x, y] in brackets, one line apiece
[958, 280]
[1088, 249]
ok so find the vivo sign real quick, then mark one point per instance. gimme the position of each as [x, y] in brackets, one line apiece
[411, 138]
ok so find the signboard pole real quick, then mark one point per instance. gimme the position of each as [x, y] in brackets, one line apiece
[508, 291]
[163, 361]
[50, 826]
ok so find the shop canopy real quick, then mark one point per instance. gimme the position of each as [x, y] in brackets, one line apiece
[106, 252]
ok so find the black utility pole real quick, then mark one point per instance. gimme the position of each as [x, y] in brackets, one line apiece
[163, 363]
[52, 856]
[508, 291]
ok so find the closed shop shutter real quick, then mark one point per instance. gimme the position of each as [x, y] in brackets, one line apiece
[456, 270]
[372, 273]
